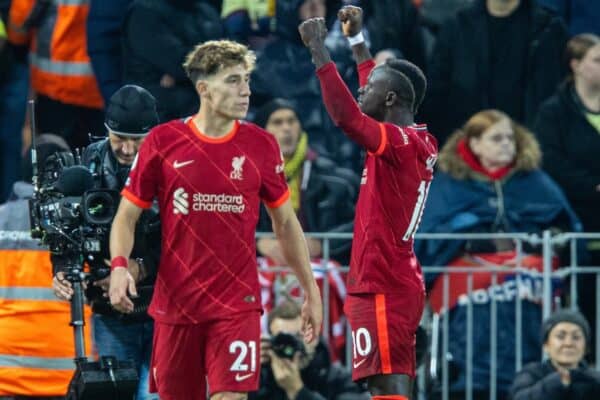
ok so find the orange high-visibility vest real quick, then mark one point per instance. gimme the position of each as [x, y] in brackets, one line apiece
[59, 61]
[36, 340]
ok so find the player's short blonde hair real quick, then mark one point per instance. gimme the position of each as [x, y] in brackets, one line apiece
[210, 57]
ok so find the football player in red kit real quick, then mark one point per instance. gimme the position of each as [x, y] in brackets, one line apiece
[386, 293]
[209, 173]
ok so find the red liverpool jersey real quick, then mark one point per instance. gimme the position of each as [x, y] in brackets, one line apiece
[209, 192]
[394, 186]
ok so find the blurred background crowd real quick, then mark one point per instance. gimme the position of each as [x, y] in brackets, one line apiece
[513, 98]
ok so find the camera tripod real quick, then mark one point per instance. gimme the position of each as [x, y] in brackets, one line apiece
[105, 379]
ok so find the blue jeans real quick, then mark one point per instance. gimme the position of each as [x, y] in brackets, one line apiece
[13, 103]
[126, 341]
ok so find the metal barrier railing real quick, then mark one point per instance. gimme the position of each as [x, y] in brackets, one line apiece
[435, 322]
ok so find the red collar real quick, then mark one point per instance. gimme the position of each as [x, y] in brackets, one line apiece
[472, 161]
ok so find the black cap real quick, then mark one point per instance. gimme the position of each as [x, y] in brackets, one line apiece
[263, 113]
[131, 111]
[565, 315]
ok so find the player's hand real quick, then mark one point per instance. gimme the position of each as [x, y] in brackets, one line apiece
[62, 287]
[312, 316]
[351, 19]
[287, 374]
[121, 283]
[313, 31]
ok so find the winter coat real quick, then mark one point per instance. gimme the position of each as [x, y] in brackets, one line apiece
[541, 381]
[570, 145]
[458, 73]
[327, 199]
[322, 381]
[157, 36]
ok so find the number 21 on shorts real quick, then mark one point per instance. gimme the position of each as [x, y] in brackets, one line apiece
[241, 349]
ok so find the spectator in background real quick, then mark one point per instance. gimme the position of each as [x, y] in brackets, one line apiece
[249, 21]
[564, 375]
[305, 372]
[104, 38]
[285, 70]
[493, 54]
[489, 181]
[14, 85]
[581, 16]
[154, 57]
[69, 103]
[322, 193]
[568, 128]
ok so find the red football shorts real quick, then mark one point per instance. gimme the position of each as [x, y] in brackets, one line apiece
[383, 333]
[221, 353]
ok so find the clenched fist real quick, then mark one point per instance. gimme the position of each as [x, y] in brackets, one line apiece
[351, 19]
[313, 31]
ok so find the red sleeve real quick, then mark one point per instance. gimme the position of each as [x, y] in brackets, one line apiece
[344, 110]
[364, 69]
[274, 189]
[141, 186]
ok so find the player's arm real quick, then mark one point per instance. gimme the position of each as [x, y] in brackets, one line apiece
[293, 243]
[351, 18]
[340, 103]
[122, 236]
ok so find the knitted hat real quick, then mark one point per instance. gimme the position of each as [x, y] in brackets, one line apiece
[262, 114]
[131, 111]
[565, 315]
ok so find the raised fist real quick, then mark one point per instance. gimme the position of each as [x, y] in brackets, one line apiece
[313, 31]
[351, 19]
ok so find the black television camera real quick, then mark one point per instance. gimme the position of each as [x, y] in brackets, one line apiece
[71, 215]
[286, 345]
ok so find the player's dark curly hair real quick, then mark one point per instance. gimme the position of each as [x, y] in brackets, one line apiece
[209, 57]
[411, 82]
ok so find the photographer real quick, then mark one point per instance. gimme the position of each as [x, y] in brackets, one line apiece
[130, 115]
[294, 370]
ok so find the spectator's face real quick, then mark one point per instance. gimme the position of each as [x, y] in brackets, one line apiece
[227, 92]
[285, 126]
[565, 345]
[293, 327]
[124, 148]
[496, 146]
[312, 9]
[588, 69]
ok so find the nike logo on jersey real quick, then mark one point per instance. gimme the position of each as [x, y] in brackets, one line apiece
[177, 164]
[358, 364]
[239, 378]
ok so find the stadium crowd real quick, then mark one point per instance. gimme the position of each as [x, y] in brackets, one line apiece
[513, 98]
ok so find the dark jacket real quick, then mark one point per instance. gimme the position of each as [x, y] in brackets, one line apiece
[459, 68]
[461, 200]
[322, 380]
[158, 34]
[570, 145]
[396, 24]
[99, 158]
[541, 381]
[285, 69]
[464, 201]
[104, 23]
[327, 199]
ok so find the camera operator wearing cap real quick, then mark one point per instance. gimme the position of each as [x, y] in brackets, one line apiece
[130, 115]
[564, 375]
[297, 371]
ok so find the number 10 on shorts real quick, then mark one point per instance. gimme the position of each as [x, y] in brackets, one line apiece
[361, 342]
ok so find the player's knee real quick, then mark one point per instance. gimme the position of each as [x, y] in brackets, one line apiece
[229, 396]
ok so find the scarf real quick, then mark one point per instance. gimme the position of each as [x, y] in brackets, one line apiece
[293, 170]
